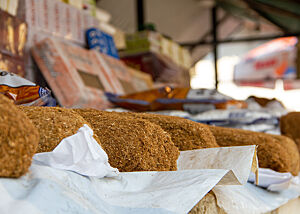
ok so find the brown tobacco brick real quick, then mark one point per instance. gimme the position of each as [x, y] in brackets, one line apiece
[18, 140]
[274, 151]
[54, 124]
[132, 144]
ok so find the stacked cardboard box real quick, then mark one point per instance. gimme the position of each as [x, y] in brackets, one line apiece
[148, 41]
[76, 76]
[12, 42]
[79, 77]
[162, 58]
[141, 81]
[54, 19]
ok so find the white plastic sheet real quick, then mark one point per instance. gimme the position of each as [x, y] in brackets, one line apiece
[49, 190]
[79, 153]
[275, 181]
[238, 160]
[250, 199]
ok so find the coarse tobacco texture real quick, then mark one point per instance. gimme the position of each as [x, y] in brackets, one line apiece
[132, 144]
[274, 151]
[186, 134]
[289, 126]
[18, 140]
[54, 124]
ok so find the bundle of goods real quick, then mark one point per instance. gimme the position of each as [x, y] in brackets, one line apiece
[132, 144]
[24, 92]
[120, 71]
[101, 41]
[19, 140]
[289, 126]
[274, 151]
[186, 134]
[167, 98]
[164, 59]
[52, 19]
[54, 124]
[13, 33]
[260, 120]
[142, 142]
[208, 202]
[79, 77]
[48, 18]
[261, 115]
[140, 81]
[264, 102]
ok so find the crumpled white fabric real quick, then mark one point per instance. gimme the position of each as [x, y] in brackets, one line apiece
[79, 153]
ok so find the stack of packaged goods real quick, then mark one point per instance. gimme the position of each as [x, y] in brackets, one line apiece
[164, 59]
[54, 19]
[79, 77]
[56, 33]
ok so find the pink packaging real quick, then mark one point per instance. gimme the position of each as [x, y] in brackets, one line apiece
[73, 74]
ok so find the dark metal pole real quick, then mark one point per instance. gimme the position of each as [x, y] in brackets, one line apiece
[140, 14]
[243, 39]
[215, 42]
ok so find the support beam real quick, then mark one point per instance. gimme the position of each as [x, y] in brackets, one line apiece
[210, 32]
[272, 9]
[243, 39]
[140, 11]
[215, 42]
[256, 7]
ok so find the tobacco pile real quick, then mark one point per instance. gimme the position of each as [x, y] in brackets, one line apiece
[275, 152]
[186, 134]
[132, 144]
[54, 124]
[289, 126]
[18, 140]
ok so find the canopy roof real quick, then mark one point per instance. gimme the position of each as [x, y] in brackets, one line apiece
[189, 22]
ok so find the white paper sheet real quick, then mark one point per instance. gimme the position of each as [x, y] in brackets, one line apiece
[239, 160]
[79, 153]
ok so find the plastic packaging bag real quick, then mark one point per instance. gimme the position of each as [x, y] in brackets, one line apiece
[24, 92]
[168, 98]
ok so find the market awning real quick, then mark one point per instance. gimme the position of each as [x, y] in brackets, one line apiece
[283, 13]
